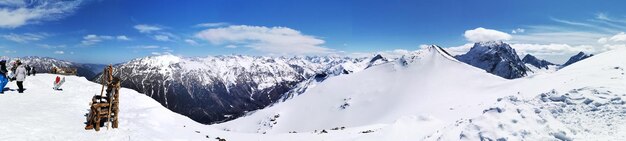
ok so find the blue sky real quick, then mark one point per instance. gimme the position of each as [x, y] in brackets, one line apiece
[113, 31]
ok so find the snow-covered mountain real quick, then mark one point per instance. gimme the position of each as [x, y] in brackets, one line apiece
[439, 98]
[45, 64]
[426, 96]
[497, 58]
[580, 56]
[538, 66]
[345, 68]
[215, 89]
[538, 63]
[379, 95]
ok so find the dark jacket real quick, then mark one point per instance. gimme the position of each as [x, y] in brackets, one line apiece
[3, 68]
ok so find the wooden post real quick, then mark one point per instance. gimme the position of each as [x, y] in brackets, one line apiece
[112, 98]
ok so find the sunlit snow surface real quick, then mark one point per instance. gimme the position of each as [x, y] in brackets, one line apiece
[430, 98]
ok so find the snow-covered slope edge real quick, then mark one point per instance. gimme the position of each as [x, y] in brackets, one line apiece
[41, 113]
[571, 104]
[584, 101]
[380, 95]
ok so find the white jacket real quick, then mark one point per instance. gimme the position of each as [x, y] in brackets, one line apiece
[20, 73]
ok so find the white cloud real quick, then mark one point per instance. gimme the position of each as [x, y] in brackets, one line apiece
[123, 38]
[143, 28]
[90, 40]
[482, 34]
[156, 32]
[93, 39]
[162, 37]
[617, 41]
[218, 24]
[518, 30]
[10, 51]
[558, 37]
[605, 17]
[153, 49]
[556, 53]
[161, 53]
[618, 37]
[51, 46]
[16, 13]
[582, 24]
[59, 52]
[458, 50]
[147, 47]
[603, 40]
[191, 42]
[230, 46]
[279, 40]
[26, 37]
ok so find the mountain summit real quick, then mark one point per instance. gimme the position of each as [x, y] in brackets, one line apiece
[534, 61]
[580, 56]
[497, 58]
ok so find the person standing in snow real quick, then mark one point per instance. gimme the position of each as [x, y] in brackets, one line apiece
[20, 76]
[33, 71]
[28, 70]
[3, 76]
[13, 68]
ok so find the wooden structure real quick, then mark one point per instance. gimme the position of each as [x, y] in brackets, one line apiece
[64, 71]
[105, 107]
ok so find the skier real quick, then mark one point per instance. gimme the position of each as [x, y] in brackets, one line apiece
[58, 82]
[20, 76]
[3, 75]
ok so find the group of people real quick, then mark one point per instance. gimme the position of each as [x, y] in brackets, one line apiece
[19, 74]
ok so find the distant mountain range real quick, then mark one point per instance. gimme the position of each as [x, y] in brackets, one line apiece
[220, 88]
[45, 64]
[215, 89]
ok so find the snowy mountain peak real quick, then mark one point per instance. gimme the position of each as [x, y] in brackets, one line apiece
[497, 58]
[580, 56]
[207, 88]
[490, 43]
[377, 60]
[161, 60]
[534, 61]
[436, 50]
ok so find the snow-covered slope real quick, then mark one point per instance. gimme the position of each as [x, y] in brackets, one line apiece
[436, 98]
[495, 57]
[583, 101]
[380, 95]
[574, 103]
[41, 113]
[219, 88]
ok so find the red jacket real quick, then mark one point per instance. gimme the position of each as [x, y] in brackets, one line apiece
[57, 80]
